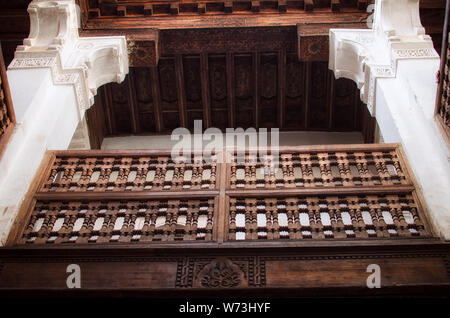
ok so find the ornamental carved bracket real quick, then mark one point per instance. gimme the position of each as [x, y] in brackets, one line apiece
[86, 63]
[365, 55]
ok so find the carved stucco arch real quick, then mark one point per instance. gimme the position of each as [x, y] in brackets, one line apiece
[84, 63]
[365, 55]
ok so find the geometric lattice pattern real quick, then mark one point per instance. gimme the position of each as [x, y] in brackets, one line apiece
[328, 192]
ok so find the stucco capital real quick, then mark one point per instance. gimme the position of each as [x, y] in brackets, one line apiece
[54, 42]
[365, 55]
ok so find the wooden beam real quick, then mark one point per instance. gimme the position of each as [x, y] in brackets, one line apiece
[124, 195]
[306, 93]
[230, 89]
[206, 100]
[281, 87]
[134, 112]
[331, 85]
[156, 98]
[167, 21]
[256, 90]
[222, 204]
[181, 89]
[307, 191]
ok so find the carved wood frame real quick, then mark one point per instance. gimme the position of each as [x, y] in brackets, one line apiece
[221, 193]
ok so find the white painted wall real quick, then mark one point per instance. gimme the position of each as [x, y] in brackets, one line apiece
[395, 65]
[47, 121]
[53, 79]
[404, 111]
[295, 138]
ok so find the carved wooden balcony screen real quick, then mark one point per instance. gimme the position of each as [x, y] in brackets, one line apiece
[323, 192]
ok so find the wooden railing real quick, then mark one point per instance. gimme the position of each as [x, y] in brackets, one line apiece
[7, 118]
[328, 192]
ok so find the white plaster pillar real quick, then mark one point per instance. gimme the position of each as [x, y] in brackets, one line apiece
[395, 66]
[80, 139]
[53, 79]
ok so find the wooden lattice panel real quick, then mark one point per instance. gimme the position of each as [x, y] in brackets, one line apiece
[117, 221]
[317, 169]
[363, 216]
[122, 173]
[353, 192]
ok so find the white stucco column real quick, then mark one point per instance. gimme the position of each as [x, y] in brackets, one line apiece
[395, 66]
[53, 79]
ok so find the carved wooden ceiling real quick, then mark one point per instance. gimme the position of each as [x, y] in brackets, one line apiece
[230, 63]
[257, 89]
[125, 16]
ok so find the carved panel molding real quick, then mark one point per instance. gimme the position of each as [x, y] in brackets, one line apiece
[238, 272]
[270, 269]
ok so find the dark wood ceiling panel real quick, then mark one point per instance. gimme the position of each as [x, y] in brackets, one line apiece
[218, 91]
[268, 87]
[144, 99]
[245, 87]
[295, 93]
[193, 87]
[319, 78]
[170, 115]
[119, 106]
[345, 103]
[250, 89]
